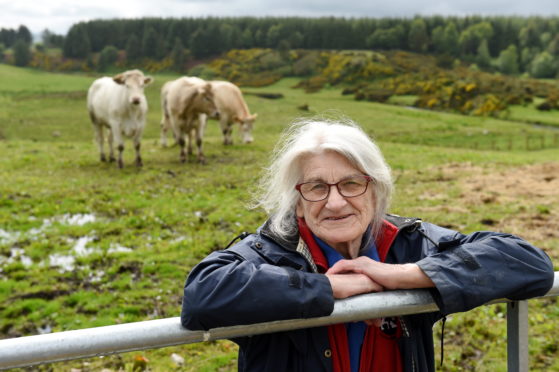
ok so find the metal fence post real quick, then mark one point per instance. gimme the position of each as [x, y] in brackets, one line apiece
[517, 336]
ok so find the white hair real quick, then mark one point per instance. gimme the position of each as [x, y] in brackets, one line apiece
[278, 195]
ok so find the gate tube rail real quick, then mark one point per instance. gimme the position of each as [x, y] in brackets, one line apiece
[152, 334]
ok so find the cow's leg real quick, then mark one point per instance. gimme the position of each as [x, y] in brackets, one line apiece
[164, 124]
[182, 143]
[119, 141]
[176, 125]
[199, 135]
[190, 135]
[99, 139]
[182, 155]
[137, 145]
[226, 130]
[111, 146]
[229, 134]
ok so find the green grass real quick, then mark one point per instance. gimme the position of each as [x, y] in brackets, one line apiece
[167, 216]
[530, 114]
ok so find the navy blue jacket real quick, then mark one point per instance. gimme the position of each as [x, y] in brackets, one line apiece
[264, 278]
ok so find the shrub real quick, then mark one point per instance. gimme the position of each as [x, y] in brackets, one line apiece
[313, 84]
[22, 53]
[203, 71]
[544, 66]
[108, 56]
[306, 65]
[373, 94]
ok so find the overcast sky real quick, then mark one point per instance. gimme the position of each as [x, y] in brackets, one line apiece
[59, 15]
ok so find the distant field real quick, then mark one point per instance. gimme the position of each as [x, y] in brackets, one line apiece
[83, 244]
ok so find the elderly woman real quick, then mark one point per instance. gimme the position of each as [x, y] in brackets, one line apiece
[328, 237]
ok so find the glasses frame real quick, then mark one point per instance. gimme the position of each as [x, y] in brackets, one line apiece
[368, 178]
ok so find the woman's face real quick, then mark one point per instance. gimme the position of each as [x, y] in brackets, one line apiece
[339, 221]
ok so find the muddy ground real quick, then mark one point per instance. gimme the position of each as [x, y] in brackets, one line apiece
[532, 191]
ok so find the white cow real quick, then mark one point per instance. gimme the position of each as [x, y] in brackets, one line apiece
[232, 109]
[119, 104]
[182, 102]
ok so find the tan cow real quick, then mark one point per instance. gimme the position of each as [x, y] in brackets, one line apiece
[232, 109]
[182, 102]
[119, 105]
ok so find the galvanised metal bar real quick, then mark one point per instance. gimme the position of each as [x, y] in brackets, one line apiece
[90, 342]
[517, 336]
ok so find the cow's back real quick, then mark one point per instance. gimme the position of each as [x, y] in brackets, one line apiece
[229, 99]
[177, 93]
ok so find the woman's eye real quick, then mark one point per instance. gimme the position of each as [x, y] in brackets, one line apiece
[318, 187]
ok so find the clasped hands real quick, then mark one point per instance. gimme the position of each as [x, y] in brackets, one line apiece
[364, 275]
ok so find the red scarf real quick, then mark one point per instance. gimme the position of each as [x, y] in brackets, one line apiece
[379, 352]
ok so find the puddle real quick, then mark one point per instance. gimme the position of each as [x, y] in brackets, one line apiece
[96, 276]
[64, 262]
[80, 248]
[77, 219]
[15, 255]
[116, 248]
[8, 237]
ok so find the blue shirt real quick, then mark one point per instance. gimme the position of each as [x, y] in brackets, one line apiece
[355, 330]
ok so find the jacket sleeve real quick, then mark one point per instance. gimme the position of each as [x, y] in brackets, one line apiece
[470, 270]
[225, 290]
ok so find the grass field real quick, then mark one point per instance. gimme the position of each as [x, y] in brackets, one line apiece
[84, 244]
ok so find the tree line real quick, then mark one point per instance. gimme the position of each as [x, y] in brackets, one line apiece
[510, 44]
[20, 41]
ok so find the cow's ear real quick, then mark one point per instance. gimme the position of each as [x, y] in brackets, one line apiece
[254, 116]
[119, 79]
[148, 80]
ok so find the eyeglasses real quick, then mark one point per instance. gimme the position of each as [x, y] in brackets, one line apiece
[348, 188]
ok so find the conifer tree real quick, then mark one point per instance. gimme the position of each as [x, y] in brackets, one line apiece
[149, 43]
[483, 58]
[76, 44]
[178, 55]
[133, 49]
[22, 53]
[508, 60]
[418, 39]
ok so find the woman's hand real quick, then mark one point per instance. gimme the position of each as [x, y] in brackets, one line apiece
[351, 284]
[389, 276]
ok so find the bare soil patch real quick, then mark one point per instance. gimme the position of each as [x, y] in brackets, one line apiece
[534, 189]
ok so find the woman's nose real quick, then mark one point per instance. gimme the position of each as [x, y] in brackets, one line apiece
[335, 199]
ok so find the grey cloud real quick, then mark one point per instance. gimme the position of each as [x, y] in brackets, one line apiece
[59, 15]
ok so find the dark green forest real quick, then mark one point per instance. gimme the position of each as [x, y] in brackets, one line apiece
[511, 45]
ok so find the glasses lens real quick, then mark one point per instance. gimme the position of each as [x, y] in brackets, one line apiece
[314, 191]
[353, 186]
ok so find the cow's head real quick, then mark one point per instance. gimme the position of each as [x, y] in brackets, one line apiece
[134, 81]
[246, 127]
[206, 104]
